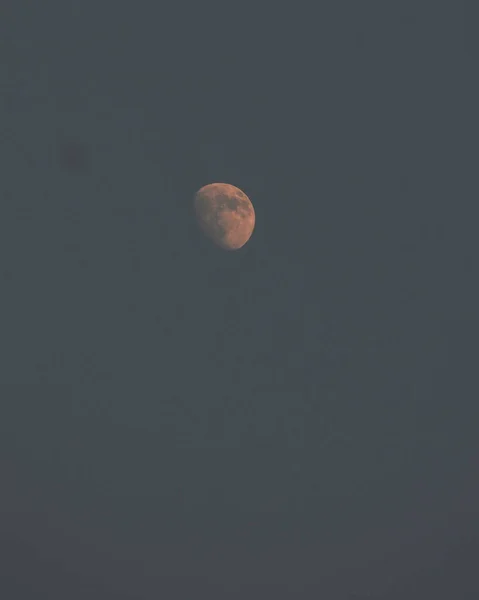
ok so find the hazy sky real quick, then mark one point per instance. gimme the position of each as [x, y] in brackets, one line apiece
[295, 419]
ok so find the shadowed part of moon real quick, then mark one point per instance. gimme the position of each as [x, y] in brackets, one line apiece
[225, 214]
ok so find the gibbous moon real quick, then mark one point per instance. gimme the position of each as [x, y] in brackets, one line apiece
[225, 215]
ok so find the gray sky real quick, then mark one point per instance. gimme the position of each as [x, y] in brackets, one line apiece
[297, 418]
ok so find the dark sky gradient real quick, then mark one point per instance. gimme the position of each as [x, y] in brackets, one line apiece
[297, 419]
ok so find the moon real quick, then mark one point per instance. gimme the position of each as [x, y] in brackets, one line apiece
[225, 214]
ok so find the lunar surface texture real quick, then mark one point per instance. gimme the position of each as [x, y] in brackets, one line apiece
[225, 215]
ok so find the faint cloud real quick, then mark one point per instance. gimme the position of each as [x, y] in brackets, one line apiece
[74, 156]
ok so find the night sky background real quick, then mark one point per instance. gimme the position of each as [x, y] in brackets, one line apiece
[297, 419]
